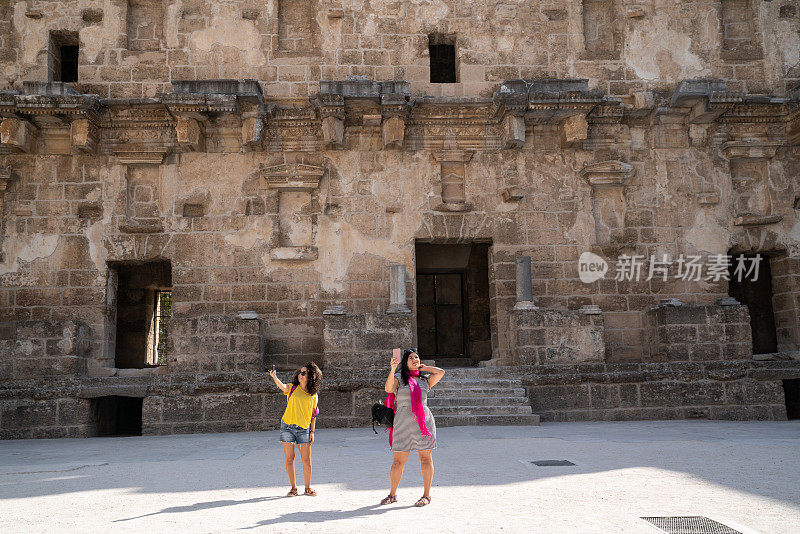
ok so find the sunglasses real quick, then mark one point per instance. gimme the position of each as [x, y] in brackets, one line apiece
[302, 373]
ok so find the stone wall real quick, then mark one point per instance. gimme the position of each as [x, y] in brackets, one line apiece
[548, 336]
[134, 49]
[297, 183]
[364, 341]
[34, 349]
[698, 333]
[216, 343]
[676, 390]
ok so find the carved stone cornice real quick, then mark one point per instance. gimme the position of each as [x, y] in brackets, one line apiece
[608, 173]
[137, 154]
[751, 150]
[293, 176]
[231, 114]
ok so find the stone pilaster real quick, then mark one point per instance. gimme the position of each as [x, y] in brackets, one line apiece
[608, 180]
[295, 184]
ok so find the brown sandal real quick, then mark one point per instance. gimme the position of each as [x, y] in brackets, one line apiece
[310, 492]
[292, 493]
[389, 499]
[423, 501]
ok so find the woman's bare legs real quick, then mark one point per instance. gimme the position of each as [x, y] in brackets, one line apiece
[426, 463]
[288, 452]
[305, 456]
[396, 471]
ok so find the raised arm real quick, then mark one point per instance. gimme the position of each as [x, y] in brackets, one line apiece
[283, 387]
[436, 374]
[391, 381]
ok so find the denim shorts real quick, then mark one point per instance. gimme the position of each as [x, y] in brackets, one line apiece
[294, 434]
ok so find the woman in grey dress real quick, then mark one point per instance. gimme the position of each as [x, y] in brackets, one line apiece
[414, 428]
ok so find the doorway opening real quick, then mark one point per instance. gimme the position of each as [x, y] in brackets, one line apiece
[117, 416]
[140, 298]
[791, 393]
[755, 292]
[453, 314]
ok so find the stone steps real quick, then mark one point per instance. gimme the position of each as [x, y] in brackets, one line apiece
[477, 401]
[481, 410]
[486, 420]
[479, 396]
[438, 392]
[450, 383]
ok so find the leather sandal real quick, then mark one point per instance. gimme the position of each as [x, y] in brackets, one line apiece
[292, 493]
[423, 501]
[389, 499]
[310, 492]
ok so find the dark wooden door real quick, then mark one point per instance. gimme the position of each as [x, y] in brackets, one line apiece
[757, 296]
[440, 315]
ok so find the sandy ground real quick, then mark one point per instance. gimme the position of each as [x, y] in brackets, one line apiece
[743, 474]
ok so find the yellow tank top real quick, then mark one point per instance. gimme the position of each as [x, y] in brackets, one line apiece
[300, 407]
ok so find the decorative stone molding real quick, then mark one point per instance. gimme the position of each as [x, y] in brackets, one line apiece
[134, 154]
[453, 177]
[295, 183]
[608, 180]
[293, 177]
[708, 198]
[750, 150]
[749, 170]
[331, 111]
[608, 173]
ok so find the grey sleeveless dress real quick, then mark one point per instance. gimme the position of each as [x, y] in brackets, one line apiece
[406, 434]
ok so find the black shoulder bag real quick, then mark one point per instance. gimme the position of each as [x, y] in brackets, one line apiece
[382, 415]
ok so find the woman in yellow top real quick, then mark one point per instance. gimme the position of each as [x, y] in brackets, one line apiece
[299, 420]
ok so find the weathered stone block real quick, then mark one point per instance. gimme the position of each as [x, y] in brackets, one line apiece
[17, 135]
[189, 133]
[513, 131]
[333, 132]
[574, 131]
[393, 130]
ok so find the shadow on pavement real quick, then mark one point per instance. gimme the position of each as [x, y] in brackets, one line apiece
[321, 516]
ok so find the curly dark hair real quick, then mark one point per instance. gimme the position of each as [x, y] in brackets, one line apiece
[314, 378]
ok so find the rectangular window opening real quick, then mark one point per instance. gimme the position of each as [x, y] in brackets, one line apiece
[442, 52]
[63, 57]
[161, 314]
[140, 307]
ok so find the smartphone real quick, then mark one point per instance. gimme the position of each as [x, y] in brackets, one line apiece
[273, 366]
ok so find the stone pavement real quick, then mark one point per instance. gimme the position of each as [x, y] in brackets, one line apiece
[743, 474]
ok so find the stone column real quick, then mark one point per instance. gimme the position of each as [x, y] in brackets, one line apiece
[397, 290]
[524, 286]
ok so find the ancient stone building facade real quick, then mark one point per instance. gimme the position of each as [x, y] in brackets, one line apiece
[192, 192]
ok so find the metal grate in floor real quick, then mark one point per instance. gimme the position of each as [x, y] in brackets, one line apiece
[552, 463]
[690, 525]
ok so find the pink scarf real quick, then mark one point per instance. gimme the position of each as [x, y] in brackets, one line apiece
[416, 406]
